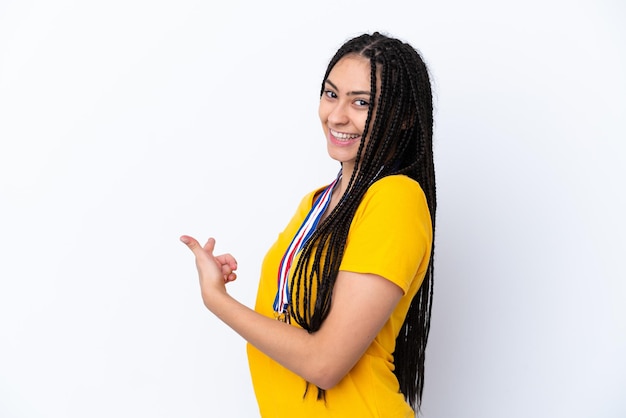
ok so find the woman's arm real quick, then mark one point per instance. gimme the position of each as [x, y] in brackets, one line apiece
[361, 305]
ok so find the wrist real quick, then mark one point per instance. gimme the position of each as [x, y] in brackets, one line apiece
[214, 298]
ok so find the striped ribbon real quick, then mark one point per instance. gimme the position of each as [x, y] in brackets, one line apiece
[281, 301]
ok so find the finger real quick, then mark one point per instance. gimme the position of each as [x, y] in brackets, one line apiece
[227, 259]
[209, 246]
[226, 270]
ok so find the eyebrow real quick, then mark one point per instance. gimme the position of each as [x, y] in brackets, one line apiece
[350, 93]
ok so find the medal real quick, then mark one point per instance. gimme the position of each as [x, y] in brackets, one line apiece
[281, 301]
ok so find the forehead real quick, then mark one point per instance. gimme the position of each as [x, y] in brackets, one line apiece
[353, 70]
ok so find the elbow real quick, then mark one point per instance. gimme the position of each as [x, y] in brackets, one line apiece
[327, 384]
[326, 376]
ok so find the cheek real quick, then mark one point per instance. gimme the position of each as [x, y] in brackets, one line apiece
[361, 123]
[322, 111]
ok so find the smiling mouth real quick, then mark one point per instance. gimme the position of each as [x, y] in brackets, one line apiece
[343, 136]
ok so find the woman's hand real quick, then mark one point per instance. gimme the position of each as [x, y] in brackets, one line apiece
[213, 271]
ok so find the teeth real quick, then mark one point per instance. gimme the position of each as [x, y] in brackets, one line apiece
[340, 135]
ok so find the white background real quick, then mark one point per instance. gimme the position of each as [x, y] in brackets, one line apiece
[124, 124]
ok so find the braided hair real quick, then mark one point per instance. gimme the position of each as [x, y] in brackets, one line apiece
[400, 142]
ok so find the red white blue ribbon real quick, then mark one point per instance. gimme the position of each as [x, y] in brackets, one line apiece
[281, 301]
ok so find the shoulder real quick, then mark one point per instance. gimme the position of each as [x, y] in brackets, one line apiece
[391, 233]
[395, 193]
[396, 184]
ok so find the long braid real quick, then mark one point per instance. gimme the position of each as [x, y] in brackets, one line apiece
[400, 142]
[417, 322]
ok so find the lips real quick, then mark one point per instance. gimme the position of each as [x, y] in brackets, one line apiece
[343, 138]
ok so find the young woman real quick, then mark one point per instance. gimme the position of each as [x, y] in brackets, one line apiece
[343, 307]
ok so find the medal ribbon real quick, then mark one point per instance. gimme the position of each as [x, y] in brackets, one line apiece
[281, 301]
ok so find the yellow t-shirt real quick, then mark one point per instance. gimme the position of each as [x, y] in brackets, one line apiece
[390, 235]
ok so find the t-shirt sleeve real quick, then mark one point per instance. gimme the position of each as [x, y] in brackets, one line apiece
[391, 233]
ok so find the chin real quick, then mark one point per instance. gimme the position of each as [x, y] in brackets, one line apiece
[341, 156]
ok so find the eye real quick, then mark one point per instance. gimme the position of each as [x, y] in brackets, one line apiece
[361, 103]
[330, 94]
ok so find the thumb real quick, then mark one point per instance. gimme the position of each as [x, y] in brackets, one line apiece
[195, 246]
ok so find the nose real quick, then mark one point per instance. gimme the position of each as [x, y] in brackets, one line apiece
[338, 115]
